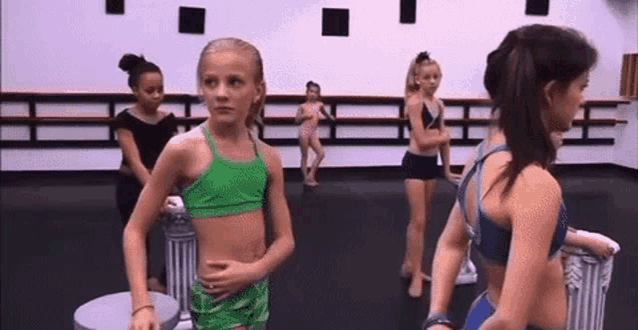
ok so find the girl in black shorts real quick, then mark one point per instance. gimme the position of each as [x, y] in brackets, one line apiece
[428, 137]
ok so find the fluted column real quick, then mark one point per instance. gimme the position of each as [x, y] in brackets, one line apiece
[180, 256]
[587, 280]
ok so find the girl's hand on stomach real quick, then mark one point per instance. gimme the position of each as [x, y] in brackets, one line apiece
[232, 277]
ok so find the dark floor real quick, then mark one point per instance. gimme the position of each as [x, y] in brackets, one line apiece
[60, 249]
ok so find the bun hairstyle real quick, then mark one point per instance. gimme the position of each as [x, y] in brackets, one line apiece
[311, 84]
[525, 61]
[135, 66]
[257, 108]
[423, 58]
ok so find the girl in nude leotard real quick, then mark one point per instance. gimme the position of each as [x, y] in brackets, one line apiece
[308, 116]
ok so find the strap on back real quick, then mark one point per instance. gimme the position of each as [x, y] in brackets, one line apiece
[481, 163]
[477, 168]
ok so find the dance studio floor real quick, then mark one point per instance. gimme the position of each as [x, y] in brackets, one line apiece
[60, 248]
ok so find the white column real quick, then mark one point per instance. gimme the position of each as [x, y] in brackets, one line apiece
[587, 279]
[180, 257]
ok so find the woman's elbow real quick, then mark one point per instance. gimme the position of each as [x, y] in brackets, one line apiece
[290, 245]
[131, 233]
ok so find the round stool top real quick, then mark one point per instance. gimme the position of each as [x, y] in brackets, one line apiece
[113, 312]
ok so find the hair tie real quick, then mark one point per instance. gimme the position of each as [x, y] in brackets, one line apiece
[422, 56]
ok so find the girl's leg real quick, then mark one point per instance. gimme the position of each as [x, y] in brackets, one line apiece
[303, 145]
[419, 194]
[315, 144]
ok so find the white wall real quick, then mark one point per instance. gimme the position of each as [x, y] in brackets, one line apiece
[626, 146]
[68, 45]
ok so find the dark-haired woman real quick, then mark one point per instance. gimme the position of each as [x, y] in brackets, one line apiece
[308, 116]
[508, 204]
[428, 137]
[142, 132]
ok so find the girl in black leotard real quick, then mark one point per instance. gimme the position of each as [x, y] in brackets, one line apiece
[142, 132]
[428, 137]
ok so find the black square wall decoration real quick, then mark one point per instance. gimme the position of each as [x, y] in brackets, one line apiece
[191, 20]
[115, 6]
[408, 11]
[537, 7]
[335, 22]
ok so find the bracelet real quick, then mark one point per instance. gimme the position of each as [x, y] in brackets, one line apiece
[438, 318]
[142, 307]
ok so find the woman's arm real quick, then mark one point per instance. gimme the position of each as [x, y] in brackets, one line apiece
[167, 169]
[283, 241]
[424, 140]
[298, 116]
[451, 249]
[325, 113]
[132, 155]
[581, 239]
[533, 206]
[445, 149]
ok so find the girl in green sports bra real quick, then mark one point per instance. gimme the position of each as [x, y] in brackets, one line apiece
[227, 175]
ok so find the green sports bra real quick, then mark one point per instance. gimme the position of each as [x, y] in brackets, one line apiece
[227, 186]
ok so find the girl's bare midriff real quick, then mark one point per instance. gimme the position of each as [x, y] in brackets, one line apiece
[309, 125]
[239, 237]
[429, 132]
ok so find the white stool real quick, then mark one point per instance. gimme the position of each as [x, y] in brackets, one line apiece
[113, 312]
[587, 279]
[180, 255]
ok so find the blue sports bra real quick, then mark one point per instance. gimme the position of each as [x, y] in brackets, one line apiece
[490, 239]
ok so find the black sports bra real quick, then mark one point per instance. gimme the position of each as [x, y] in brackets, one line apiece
[428, 120]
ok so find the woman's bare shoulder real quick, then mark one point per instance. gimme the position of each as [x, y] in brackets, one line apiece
[187, 140]
[413, 99]
[535, 185]
[270, 153]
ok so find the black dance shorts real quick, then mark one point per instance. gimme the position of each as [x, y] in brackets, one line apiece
[419, 167]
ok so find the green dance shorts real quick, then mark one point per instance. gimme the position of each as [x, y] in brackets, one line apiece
[246, 308]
